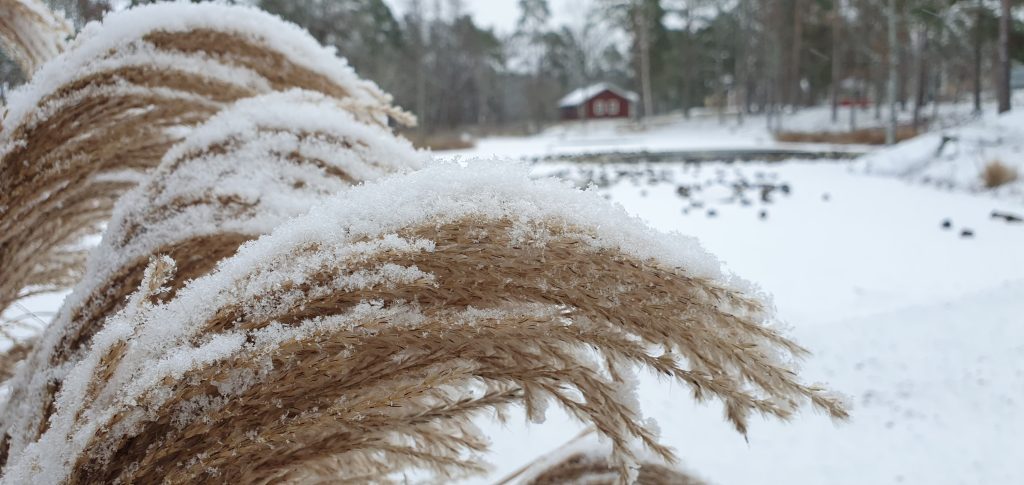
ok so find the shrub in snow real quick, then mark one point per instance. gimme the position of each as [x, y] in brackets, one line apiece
[95, 117]
[358, 330]
[996, 174]
[30, 33]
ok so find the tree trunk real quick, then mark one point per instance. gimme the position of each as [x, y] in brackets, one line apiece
[836, 53]
[481, 94]
[906, 66]
[419, 50]
[922, 77]
[421, 99]
[740, 66]
[938, 78]
[890, 132]
[798, 35]
[1004, 58]
[853, 115]
[856, 95]
[777, 93]
[687, 67]
[643, 36]
[878, 84]
[977, 57]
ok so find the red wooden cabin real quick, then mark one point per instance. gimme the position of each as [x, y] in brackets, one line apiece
[600, 101]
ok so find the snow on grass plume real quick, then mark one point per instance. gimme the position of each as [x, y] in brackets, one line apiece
[125, 91]
[245, 171]
[356, 341]
[505, 288]
[588, 460]
[30, 33]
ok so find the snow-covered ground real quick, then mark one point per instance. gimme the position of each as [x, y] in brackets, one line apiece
[955, 157]
[920, 325]
[704, 131]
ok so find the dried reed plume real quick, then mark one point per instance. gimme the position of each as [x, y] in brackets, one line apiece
[96, 117]
[248, 169]
[583, 461]
[31, 33]
[354, 342]
[10, 358]
[360, 340]
[596, 469]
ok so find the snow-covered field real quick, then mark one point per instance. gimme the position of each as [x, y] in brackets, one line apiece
[708, 131]
[920, 325]
[659, 134]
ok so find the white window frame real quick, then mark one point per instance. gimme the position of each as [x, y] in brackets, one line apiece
[613, 107]
[599, 107]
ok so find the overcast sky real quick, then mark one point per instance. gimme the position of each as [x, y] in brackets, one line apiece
[502, 14]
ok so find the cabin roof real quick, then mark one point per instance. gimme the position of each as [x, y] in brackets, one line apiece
[582, 95]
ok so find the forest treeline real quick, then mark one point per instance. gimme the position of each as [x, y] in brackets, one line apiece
[733, 56]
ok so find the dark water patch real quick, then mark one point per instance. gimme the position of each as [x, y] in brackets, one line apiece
[701, 156]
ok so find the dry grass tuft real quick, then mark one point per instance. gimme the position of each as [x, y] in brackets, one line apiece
[31, 33]
[996, 174]
[867, 136]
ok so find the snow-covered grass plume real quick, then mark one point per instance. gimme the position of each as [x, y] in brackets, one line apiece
[31, 33]
[291, 293]
[124, 91]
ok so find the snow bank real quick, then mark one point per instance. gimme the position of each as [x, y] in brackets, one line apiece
[956, 157]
